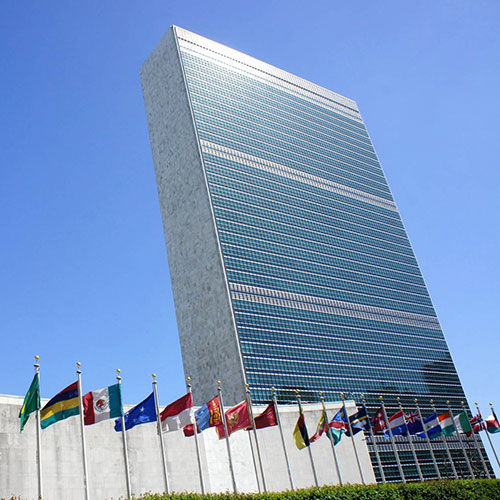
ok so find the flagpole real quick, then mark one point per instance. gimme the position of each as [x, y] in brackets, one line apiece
[195, 425]
[124, 440]
[308, 447]
[275, 402]
[331, 440]
[487, 434]
[254, 462]
[160, 435]
[38, 435]
[428, 440]
[443, 438]
[393, 442]
[469, 466]
[342, 395]
[221, 403]
[478, 448]
[375, 445]
[82, 426]
[410, 439]
[249, 404]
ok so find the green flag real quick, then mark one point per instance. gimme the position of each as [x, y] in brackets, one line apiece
[462, 423]
[31, 401]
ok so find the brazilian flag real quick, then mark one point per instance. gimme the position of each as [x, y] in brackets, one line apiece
[31, 401]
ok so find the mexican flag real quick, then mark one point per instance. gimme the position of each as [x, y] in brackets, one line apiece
[462, 423]
[102, 404]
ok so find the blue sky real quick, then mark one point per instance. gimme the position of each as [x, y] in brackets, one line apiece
[83, 261]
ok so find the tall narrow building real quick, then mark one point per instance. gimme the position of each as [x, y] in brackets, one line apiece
[289, 261]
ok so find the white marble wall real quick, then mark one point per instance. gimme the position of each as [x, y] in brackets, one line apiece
[63, 470]
[208, 338]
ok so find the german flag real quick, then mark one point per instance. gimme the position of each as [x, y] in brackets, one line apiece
[300, 435]
[63, 405]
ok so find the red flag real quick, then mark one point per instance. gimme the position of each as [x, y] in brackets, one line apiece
[477, 423]
[267, 418]
[237, 418]
[378, 421]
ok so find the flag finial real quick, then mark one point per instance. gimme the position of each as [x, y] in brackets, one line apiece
[381, 398]
[218, 383]
[398, 399]
[37, 357]
[188, 379]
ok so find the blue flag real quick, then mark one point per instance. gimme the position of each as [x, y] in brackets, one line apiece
[414, 423]
[359, 422]
[431, 425]
[141, 414]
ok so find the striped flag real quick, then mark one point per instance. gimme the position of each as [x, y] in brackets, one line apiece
[300, 435]
[63, 405]
[462, 424]
[446, 424]
[178, 414]
[102, 404]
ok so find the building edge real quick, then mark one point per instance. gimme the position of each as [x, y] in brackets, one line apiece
[189, 228]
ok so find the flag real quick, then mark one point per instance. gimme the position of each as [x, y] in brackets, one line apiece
[446, 424]
[143, 413]
[208, 415]
[178, 414]
[63, 405]
[337, 426]
[431, 425]
[321, 428]
[31, 401]
[359, 422]
[397, 425]
[237, 417]
[300, 435]
[267, 418]
[462, 424]
[477, 423]
[378, 421]
[102, 404]
[492, 424]
[414, 423]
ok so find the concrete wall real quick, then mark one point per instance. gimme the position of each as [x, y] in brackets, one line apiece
[202, 305]
[63, 470]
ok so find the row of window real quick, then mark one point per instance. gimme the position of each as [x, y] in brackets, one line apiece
[210, 72]
[356, 341]
[269, 115]
[257, 316]
[263, 278]
[220, 113]
[254, 142]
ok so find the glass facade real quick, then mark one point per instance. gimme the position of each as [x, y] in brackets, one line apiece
[326, 292]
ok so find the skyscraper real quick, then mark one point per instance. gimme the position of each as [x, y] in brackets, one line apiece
[289, 261]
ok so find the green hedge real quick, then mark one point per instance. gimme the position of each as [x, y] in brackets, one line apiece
[477, 489]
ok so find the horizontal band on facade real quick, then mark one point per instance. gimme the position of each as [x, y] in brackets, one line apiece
[276, 168]
[329, 306]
